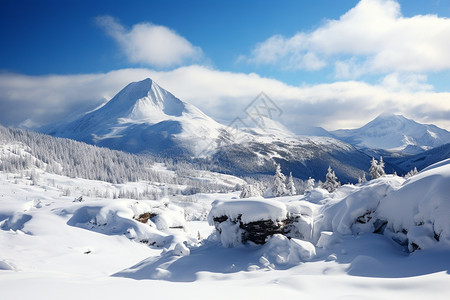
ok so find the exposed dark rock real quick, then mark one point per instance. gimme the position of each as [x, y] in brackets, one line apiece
[437, 237]
[257, 232]
[414, 247]
[365, 218]
[379, 226]
[220, 219]
[143, 218]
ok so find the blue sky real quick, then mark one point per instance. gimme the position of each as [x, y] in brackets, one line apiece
[294, 46]
[62, 37]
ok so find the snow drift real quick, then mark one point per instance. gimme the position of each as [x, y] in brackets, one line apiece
[414, 212]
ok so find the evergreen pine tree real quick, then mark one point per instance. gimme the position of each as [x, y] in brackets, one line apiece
[331, 183]
[363, 179]
[291, 190]
[279, 186]
[411, 173]
[373, 171]
[381, 167]
[310, 183]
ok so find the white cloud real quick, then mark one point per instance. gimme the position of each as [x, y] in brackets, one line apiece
[406, 82]
[150, 44]
[373, 36]
[225, 95]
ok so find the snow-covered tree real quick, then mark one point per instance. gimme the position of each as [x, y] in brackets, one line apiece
[331, 183]
[381, 167]
[412, 173]
[34, 177]
[291, 191]
[310, 183]
[362, 179]
[251, 190]
[278, 186]
[376, 169]
[373, 170]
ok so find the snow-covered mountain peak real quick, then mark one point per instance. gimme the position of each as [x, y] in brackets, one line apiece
[144, 101]
[395, 132]
[143, 117]
[389, 121]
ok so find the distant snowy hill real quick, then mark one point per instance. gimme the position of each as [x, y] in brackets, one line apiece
[395, 133]
[424, 159]
[143, 117]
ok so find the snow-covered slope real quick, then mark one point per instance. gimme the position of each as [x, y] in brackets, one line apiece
[54, 246]
[143, 117]
[396, 133]
[303, 156]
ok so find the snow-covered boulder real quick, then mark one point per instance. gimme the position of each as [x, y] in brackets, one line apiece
[150, 222]
[239, 221]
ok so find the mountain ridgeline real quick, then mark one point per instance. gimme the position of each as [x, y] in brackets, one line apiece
[145, 118]
[395, 133]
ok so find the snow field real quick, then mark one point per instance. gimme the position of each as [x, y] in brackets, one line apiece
[59, 247]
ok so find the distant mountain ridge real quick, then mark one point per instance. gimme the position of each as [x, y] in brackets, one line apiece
[424, 159]
[395, 133]
[143, 117]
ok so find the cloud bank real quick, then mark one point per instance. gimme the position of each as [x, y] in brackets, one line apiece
[371, 38]
[150, 44]
[39, 100]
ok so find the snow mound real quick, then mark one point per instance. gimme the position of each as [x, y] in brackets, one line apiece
[247, 211]
[6, 266]
[279, 250]
[419, 211]
[150, 222]
[414, 213]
